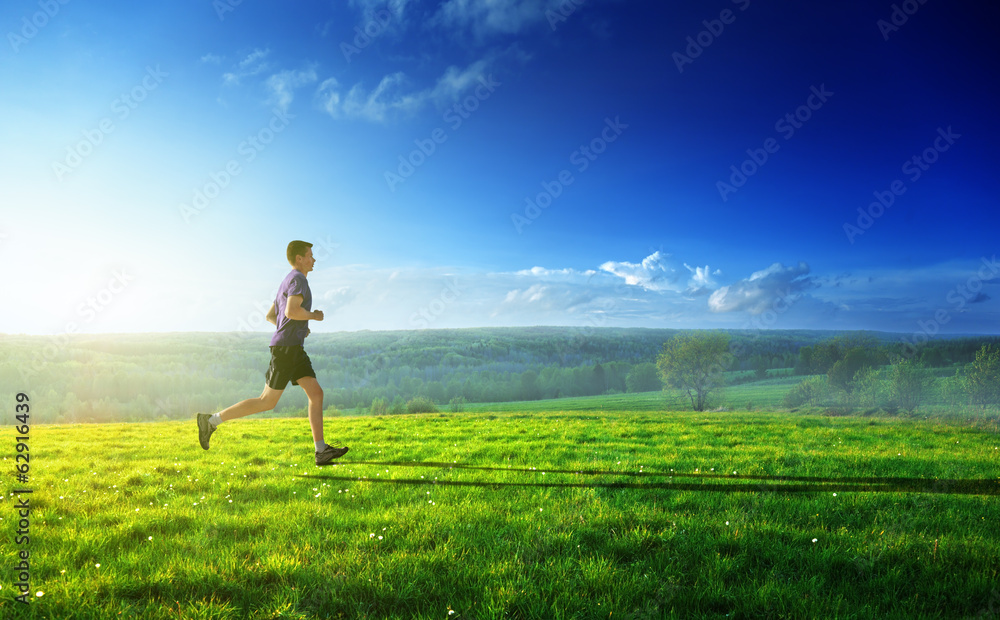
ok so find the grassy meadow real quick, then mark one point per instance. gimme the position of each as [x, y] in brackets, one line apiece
[515, 514]
[764, 394]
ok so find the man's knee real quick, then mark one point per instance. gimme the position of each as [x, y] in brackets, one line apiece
[267, 403]
[311, 387]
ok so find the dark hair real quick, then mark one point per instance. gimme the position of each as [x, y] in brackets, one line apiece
[297, 248]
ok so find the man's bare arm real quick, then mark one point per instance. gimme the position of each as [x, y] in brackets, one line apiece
[295, 311]
[272, 316]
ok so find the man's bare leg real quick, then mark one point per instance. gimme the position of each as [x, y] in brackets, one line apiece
[315, 394]
[265, 402]
[208, 423]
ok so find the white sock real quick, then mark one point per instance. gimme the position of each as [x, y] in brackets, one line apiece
[320, 446]
[215, 420]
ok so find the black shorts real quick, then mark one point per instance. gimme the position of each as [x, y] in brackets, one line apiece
[288, 364]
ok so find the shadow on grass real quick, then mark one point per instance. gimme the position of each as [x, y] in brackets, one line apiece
[714, 482]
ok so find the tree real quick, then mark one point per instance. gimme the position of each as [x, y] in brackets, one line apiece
[600, 381]
[932, 357]
[693, 362]
[907, 383]
[982, 377]
[435, 391]
[398, 406]
[760, 368]
[804, 364]
[824, 355]
[842, 372]
[804, 392]
[643, 378]
[869, 387]
[420, 404]
[529, 386]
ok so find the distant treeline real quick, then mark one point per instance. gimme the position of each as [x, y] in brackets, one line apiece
[138, 377]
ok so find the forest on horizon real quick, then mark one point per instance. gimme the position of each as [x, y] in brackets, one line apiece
[142, 377]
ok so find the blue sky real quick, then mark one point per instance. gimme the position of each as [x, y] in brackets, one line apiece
[500, 162]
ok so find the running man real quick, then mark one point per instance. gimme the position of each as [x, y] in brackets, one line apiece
[289, 361]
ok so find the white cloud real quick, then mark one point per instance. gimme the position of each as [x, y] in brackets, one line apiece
[548, 300]
[390, 96]
[542, 272]
[480, 18]
[534, 293]
[653, 273]
[336, 299]
[374, 106]
[456, 81]
[488, 17]
[701, 282]
[657, 273]
[211, 58]
[253, 64]
[282, 85]
[763, 289]
[329, 95]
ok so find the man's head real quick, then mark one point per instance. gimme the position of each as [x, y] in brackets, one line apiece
[300, 256]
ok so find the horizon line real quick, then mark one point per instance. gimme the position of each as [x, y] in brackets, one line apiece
[938, 336]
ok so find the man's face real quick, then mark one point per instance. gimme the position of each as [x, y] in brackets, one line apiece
[306, 261]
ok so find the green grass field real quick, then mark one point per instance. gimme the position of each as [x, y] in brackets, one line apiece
[759, 394]
[754, 396]
[562, 514]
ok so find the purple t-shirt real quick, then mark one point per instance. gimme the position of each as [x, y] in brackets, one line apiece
[291, 332]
